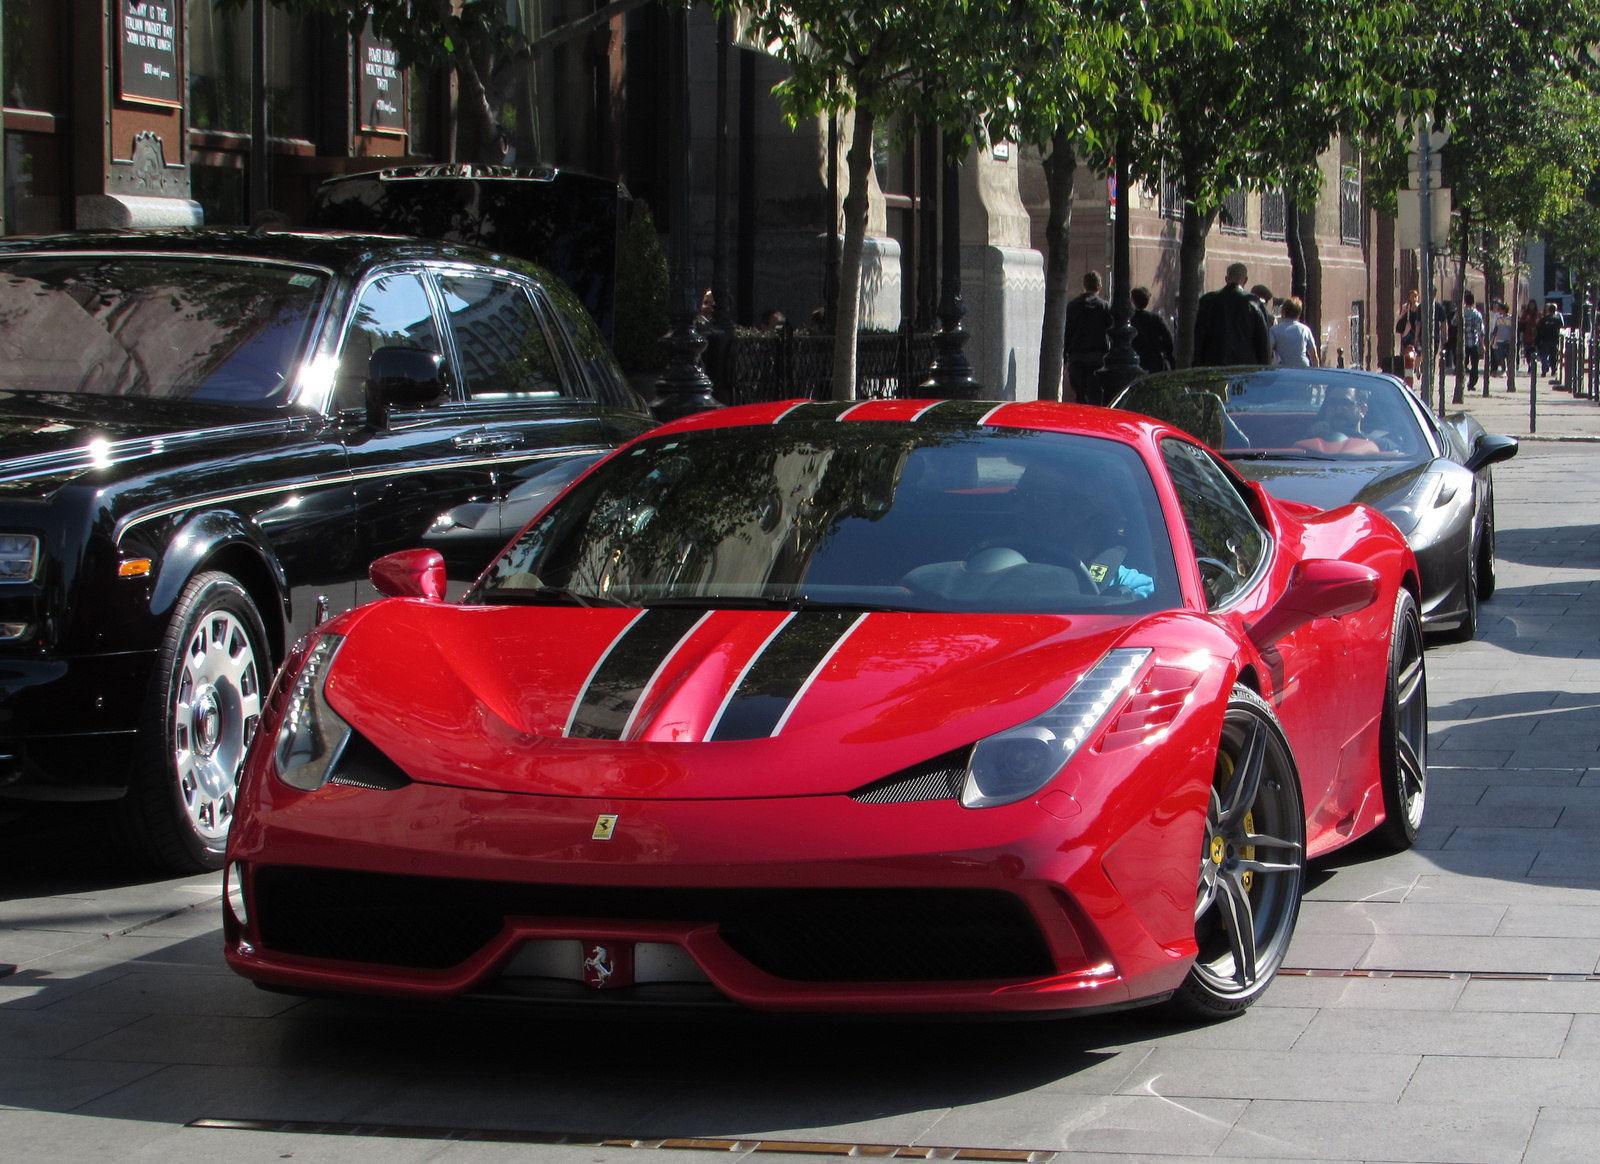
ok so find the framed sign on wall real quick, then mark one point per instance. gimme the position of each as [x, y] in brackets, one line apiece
[148, 51]
[382, 86]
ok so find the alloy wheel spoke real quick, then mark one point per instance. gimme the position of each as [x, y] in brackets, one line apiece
[1410, 767]
[1265, 867]
[1410, 681]
[1263, 841]
[1238, 920]
[1246, 778]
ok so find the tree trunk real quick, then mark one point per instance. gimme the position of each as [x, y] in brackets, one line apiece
[846, 322]
[1306, 227]
[1059, 169]
[477, 139]
[1191, 276]
[1296, 248]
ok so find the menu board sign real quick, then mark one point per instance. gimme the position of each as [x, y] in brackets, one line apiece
[149, 51]
[383, 103]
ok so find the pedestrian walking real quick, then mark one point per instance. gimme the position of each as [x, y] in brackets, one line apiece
[1152, 338]
[1229, 327]
[1500, 332]
[1263, 297]
[1293, 342]
[1471, 339]
[1088, 338]
[1528, 321]
[1409, 325]
[1548, 335]
[1444, 335]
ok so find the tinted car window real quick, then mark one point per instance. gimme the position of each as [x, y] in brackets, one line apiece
[393, 312]
[859, 515]
[600, 368]
[161, 327]
[499, 341]
[1228, 544]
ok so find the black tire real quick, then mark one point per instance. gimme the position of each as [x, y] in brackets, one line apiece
[1403, 745]
[1245, 907]
[1467, 630]
[1486, 578]
[204, 701]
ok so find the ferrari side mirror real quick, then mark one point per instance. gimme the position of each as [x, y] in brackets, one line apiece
[1318, 588]
[410, 574]
[401, 376]
[1491, 449]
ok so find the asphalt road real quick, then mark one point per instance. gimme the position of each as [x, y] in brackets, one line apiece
[1443, 1004]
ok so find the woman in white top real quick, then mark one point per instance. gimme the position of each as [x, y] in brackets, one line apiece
[1292, 341]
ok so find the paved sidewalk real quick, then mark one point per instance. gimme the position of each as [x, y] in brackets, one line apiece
[1560, 417]
[1454, 1016]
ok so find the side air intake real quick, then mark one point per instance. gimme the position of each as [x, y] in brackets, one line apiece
[936, 779]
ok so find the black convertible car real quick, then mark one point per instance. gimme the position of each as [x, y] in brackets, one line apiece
[205, 437]
[1330, 436]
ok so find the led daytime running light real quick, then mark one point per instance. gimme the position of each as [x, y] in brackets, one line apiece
[1016, 763]
[311, 734]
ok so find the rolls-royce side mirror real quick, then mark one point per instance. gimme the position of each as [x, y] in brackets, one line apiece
[410, 574]
[1318, 588]
[401, 376]
[1491, 449]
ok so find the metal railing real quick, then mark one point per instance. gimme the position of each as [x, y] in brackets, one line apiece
[787, 365]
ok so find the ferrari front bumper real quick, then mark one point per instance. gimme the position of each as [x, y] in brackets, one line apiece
[785, 904]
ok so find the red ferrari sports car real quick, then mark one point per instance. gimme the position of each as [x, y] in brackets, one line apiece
[854, 707]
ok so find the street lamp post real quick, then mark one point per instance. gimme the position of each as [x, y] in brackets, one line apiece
[1122, 366]
[951, 374]
[684, 387]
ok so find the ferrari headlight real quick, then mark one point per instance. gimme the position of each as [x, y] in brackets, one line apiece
[1019, 761]
[311, 734]
[1407, 513]
[19, 557]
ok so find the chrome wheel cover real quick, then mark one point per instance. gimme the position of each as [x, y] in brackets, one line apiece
[216, 705]
[1250, 872]
[1410, 721]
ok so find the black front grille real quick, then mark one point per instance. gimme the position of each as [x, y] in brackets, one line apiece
[806, 935]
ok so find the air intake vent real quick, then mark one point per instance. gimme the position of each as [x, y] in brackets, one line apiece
[363, 765]
[936, 779]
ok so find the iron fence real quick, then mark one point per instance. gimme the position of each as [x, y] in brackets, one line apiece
[786, 365]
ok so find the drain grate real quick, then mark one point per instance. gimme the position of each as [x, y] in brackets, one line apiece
[581, 1140]
[1457, 975]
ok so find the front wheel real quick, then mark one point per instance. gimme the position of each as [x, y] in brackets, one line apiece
[203, 708]
[1486, 578]
[1252, 864]
[1403, 746]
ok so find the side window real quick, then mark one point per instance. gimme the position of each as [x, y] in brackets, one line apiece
[600, 369]
[500, 343]
[394, 312]
[1228, 543]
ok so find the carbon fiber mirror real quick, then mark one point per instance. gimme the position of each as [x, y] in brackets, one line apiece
[1491, 449]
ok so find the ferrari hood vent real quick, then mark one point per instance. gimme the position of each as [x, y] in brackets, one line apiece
[936, 779]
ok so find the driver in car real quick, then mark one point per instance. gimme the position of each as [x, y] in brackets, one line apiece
[1079, 521]
[1339, 423]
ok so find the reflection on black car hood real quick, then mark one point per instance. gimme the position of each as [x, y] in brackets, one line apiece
[1329, 484]
[58, 434]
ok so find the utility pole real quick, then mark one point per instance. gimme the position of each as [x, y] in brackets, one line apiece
[1425, 199]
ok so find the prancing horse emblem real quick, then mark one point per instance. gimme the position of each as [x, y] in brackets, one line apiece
[598, 967]
[604, 825]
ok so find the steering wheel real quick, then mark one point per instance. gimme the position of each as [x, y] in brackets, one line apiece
[1039, 552]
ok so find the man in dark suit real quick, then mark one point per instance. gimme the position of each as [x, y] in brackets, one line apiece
[1152, 338]
[1088, 339]
[1229, 327]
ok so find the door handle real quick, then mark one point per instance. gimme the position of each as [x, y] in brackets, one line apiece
[480, 440]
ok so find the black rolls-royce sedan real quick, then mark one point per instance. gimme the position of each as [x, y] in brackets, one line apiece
[205, 437]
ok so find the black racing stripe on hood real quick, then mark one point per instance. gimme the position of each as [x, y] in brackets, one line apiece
[776, 678]
[619, 683]
[817, 410]
[961, 412]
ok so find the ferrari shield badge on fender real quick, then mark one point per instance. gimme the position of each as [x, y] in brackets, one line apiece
[604, 825]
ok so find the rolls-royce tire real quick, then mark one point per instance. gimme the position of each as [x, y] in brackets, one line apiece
[203, 707]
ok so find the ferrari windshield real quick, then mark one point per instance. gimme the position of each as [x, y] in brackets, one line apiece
[167, 327]
[1313, 413]
[861, 515]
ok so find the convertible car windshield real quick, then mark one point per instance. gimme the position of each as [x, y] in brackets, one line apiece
[167, 327]
[861, 515]
[1281, 413]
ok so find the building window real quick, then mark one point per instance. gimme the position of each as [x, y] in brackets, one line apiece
[1171, 199]
[1349, 194]
[1232, 219]
[32, 190]
[1273, 214]
[31, 31]
[1358, 334]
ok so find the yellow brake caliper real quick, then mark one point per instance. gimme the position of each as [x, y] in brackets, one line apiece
[1218, 848]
